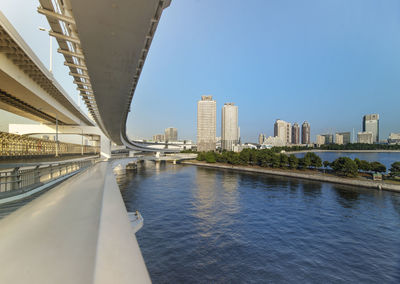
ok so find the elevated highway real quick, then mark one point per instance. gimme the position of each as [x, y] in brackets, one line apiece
[105, 45]
[27, 88]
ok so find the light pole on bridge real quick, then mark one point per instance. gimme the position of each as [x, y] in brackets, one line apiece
[51, 49]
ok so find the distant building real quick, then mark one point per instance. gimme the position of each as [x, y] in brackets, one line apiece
[283, 130]
[171, 134]
[324, 139]
[295, 134]
[273, 142]
[239, 148]
[305, 133]
[339, 139]
[371, 124]
[328, 138]
[159, 138]
[342, 138]
[365, 137]
[261, 138]
[229, 126]
[394, 138]
[206, 124]
[320, 140]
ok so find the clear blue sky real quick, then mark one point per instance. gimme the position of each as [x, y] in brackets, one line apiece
[327, 62]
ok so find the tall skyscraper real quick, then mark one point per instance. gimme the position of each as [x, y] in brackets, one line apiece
[171, 134]
[295, 134]
[206, 124]
[283, 130]
[305, 133]
[229, 126]
[371, 124]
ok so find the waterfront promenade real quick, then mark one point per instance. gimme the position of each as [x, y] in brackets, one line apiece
[306, 175]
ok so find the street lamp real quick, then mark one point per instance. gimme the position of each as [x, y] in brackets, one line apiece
[51, 49]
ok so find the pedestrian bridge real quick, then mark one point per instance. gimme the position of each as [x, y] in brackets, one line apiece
[78, 231]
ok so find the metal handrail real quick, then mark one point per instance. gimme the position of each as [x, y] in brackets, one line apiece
[19, 180]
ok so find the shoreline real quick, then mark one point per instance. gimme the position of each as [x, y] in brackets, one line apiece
[286, 173]
[342, 151]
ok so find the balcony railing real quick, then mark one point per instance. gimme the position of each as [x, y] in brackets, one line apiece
[21, 146]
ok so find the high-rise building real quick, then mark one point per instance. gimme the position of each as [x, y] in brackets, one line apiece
[342, 138]
[295, 134]
[171, 134]
[365, 137]
[283, 130]
[261, 138]
[371, 124]
[305, 133]
[206, 124]
[158, 138]
[229, 126]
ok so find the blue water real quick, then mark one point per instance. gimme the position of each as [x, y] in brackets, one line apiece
[386, 158]
[215, 226]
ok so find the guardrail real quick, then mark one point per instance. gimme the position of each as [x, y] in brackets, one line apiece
[21, 146]
[19, 180]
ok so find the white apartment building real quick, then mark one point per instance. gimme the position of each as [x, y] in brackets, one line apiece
[206, 124]
[283, 130]
[365, 137]
[229, 127]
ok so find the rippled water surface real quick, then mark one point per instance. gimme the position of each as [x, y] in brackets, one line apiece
[215, 226]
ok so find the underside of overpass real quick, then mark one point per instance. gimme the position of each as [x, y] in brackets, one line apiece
[27, 88]
[105, 44]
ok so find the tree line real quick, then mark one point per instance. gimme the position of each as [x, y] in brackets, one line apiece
[350, 146]
[269, 158]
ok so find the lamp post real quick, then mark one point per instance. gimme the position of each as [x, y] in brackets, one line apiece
[51, 49]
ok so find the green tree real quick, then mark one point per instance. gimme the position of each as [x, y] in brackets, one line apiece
[305, 162]
[326, 164]
[293, 161]
[358, 162]
[364, 166]
[275, 160]
[210, 157]
[345, 166]
[244, 156]
[316, 161]
[284, 160]
[377, 167]
[201, 156]
[395, 169]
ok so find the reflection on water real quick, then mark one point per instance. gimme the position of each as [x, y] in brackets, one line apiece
[312, 189]
[208, 226]
[347, 197]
